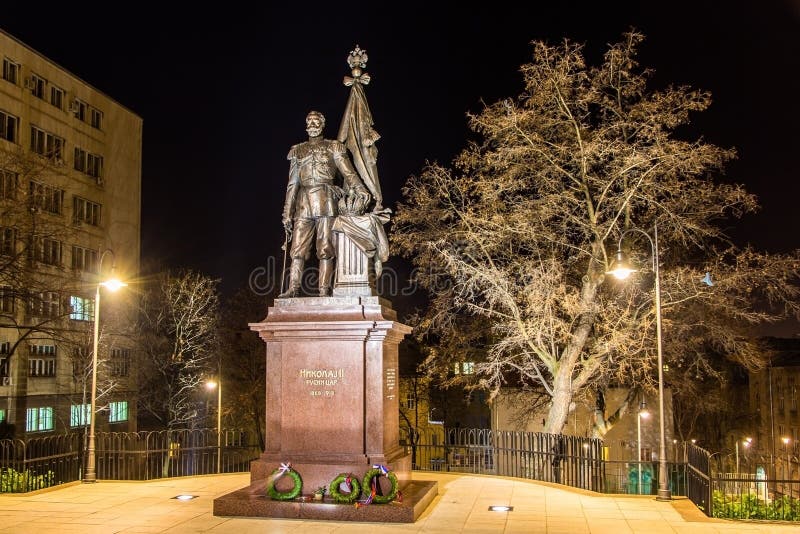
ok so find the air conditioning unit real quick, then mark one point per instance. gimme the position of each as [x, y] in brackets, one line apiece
[6, 381]
[74, 106]
[29, 83]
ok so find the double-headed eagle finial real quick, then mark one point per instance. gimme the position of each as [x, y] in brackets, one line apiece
[357, 59]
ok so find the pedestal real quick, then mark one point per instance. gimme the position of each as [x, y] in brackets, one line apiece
[332, 403]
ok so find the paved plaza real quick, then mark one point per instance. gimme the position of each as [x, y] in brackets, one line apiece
[461, 506]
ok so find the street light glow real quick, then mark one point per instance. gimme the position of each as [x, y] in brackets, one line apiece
[211, 384]
[620, 267]
[113, 284]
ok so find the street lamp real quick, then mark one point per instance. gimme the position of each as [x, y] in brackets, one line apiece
[211, 384]
[642, 414]
[112, 285]
[621, 270]
[746, 444]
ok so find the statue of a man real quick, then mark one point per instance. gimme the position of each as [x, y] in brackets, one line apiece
[312, 198]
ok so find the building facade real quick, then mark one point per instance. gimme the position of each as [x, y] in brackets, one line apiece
[70, 195]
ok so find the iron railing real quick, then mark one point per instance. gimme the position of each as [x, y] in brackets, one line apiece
[52, 460]
[699, 478]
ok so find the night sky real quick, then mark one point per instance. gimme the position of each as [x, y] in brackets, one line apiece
[224, 93]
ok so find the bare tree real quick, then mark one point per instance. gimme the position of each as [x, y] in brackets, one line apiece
[178, 337]
[523, 229]
[244, 372]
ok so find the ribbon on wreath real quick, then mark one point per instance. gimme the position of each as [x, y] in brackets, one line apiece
[284, 468]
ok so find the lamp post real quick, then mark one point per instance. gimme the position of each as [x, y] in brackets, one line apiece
[211, 384]
[642, 414]
[788, 461]
[621, 271]
[746, 444]
[112, 285]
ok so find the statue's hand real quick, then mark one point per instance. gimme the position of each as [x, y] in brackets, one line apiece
[287, 225]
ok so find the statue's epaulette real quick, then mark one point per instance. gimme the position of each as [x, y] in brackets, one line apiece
[337, 146]
[293, 151]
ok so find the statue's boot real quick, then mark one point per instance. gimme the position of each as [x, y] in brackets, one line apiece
[295, 276]
[325, 277]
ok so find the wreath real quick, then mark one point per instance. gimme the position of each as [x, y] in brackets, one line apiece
[284, 469]
[351, 482]
[372, 474]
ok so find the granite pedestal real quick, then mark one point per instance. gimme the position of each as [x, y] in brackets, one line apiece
[332, 407]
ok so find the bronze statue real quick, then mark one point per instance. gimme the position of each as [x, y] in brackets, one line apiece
[312, 200]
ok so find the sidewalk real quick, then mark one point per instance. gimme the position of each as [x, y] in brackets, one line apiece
[462, 506]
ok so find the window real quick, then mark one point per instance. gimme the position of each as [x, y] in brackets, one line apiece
[7, 301]
[2, 416]
[85, 211]
[81, 309]
[779, 396]
[79, 108]
[57, 97]
[120, 361]
[4, 366]
[80, 414]
[10, 71]
[8, 241]
[84, 259]
[464, 368]
[792, 390]
[88, 163]
[96, 118]
[47, 144]
[117, 411]
[8, 185]
[39, 419]
[42, 367]
[46, 198]
[49, 251]
[37, 86]
[45, 304]
[9, 126]
[411, 402]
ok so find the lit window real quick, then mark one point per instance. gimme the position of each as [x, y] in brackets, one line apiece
[10, 71]
[2, 415]
[411, 402]
[117, 411]
[464, 368]
[39, 419]
[80, 414]
[9, 126]
[81, 309]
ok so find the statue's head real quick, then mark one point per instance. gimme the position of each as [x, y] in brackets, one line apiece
[315, 122]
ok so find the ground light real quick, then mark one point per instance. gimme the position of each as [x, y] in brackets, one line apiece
[500, 508]
[185, 497]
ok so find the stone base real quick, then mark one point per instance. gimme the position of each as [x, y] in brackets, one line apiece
[253, 501]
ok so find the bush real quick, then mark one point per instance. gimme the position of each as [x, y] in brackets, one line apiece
[12, 481]
[749, 506]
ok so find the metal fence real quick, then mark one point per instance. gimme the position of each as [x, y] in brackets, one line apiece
[753, 496]
[568, 460]
[52, 460]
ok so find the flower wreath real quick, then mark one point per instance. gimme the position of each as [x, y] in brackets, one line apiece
[370, 476]
[351, 482]
[284, 469]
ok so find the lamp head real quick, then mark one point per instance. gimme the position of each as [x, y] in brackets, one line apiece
[620, 267]
[113, 285]
[211, 384]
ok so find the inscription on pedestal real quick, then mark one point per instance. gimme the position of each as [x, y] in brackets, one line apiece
[321, 382]
[391, 381]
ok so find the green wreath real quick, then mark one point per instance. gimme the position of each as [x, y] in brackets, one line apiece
[284, 495]
[367, 485]
[347, 498]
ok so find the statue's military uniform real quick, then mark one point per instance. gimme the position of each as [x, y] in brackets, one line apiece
[311, 203]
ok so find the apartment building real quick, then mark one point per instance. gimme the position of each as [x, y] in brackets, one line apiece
[70, 195]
